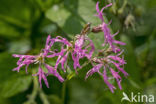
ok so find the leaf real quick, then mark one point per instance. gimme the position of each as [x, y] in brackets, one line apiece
[20, 10]
[74, 16]
[84, 96]
[7, 63]
[60, 15]
[21, 46]
[11, 82]
[146, 50]
[131, 66]
[93, 91]
[13, 32]
[54, 99]
[16, 18]
[45, 4]
[15, 86]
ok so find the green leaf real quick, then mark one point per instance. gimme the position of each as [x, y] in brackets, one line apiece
[73, 17]
[19, 10]
[15, 86]
[145, 49]
[21, 46]
[15, 17]
[45, 4]
[131, 66]
[13, 32]
[60, 15]
[11, 82]
[54, 99]
[7, 63]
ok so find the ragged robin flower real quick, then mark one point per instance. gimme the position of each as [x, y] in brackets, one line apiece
[81, 47]
[108, 62]
[108, 37]
[26, 60]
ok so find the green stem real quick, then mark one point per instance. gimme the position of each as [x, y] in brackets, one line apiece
[63, 92]
[31, 98]
[43, 97]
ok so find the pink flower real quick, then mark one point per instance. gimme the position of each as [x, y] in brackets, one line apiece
[41, 74]
[63, 54]
[102, 64]
[53, 71]
[81, 49]
[78, 50]
[24, 60]
[100, 12]
[110, 86]
[38, 59]
[104, 27]
[96, 68]
[117, 77]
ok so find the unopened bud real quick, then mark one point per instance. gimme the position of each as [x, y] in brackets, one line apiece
[96, 29]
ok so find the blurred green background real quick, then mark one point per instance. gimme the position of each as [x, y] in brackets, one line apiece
[25, 24]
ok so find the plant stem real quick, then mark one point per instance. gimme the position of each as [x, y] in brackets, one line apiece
[64, 92]
[43, 97]
[31, 98]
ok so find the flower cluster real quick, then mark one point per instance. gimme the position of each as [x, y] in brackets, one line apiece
[82, 46]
